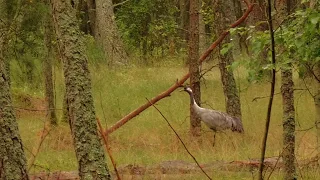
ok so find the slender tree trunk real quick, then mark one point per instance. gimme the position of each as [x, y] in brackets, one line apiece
[106, 32]
[47, 68]
[88, 147]
[13, 163]
[284, 8]
[202, 32]
[288, 124]
[195, 123]
[223, 18]
[184, 18]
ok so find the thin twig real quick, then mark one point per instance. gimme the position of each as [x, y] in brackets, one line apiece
[121, 3]
[185, 147]
[44, 133]
[108, 149]
[273, 82]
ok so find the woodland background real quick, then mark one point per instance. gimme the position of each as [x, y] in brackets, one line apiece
[66, 63]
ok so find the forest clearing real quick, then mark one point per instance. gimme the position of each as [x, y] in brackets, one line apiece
[159, 89]
[148, 141]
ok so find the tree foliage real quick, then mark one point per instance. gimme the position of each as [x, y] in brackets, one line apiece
[148, 25]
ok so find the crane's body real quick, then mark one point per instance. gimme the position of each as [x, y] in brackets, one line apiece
[215, 120]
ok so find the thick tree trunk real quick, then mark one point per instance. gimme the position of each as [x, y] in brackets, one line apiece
[13, 163]
[47, 68]
[106, 32]
[224, 16]
[288, 124]
[195, 123]
[88, 147]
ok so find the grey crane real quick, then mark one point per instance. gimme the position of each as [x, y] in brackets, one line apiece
[215, 120]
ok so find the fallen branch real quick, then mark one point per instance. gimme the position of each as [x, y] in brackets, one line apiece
[185, 147]
[105, 141]
[180, 82]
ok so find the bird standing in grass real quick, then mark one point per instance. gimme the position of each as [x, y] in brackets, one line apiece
[215, 120]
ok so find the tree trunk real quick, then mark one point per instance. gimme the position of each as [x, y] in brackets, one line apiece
[13, 163]
[195, 123]
[184, 5]
[284, 8]
[47, 68]
[223, 18]
[106, 32]
[288, 124]
[202, 32]
[87, 144]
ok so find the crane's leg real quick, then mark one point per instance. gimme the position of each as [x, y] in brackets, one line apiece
[214, 138]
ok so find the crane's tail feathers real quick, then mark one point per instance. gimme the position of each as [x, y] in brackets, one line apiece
[237, 125]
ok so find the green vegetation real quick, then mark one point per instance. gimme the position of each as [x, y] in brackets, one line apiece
[147, 139]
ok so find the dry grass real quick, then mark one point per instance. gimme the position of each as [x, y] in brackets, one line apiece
[147, 139]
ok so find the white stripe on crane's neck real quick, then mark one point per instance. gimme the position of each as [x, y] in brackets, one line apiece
[192, 101]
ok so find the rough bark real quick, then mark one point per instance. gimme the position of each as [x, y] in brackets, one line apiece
[195, 122]
[184, 18]
[13, 163]
[47, 68]
[288, 124]
[288, 120]
[88, 147]
[106, 32]
[223, 17]
[202, 31]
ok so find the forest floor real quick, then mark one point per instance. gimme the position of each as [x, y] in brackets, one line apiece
[146, 148]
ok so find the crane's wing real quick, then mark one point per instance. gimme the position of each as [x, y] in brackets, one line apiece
[217, 120]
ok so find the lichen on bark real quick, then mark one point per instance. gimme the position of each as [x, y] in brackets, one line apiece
[88, 147]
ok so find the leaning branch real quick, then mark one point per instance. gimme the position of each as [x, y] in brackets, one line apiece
[273, 82]
[184, 78]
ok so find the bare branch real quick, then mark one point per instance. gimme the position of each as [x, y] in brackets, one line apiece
[121, 3]
[273, 82]
[105, 141]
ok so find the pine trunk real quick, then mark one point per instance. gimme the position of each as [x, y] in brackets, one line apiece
[288, 124]
[106, 31]
[87, 144]
[47, 68]
[223, 18]
[13, 163]
[195, 123]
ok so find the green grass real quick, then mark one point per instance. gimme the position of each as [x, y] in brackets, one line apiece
[147, 139]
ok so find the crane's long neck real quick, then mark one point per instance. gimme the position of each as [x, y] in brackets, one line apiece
[192, 101]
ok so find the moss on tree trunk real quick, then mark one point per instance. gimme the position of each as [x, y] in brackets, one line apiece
[195, 122]
[88, 147]
[13, 163]
[288, 124]
[224, 17]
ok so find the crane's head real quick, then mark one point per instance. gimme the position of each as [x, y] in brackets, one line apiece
[187, 89]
